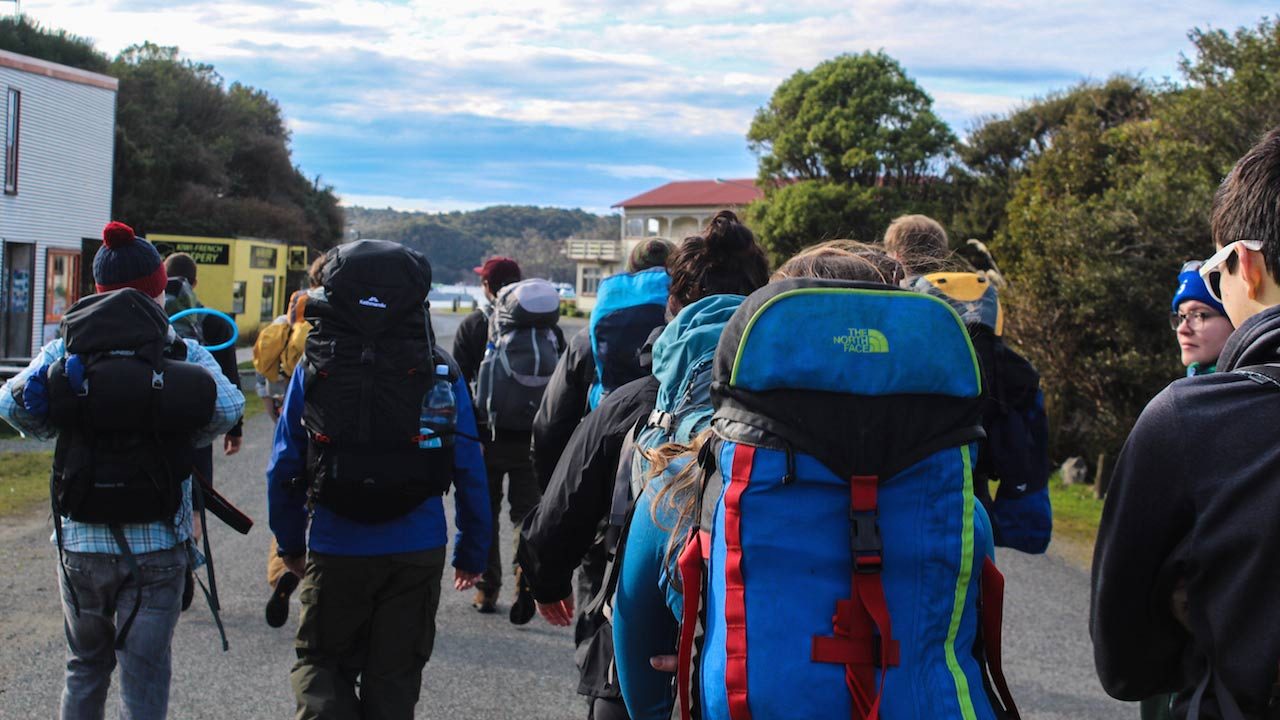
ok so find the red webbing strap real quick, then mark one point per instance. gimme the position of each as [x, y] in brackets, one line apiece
[690, 567]
[992, 619]
[735, 600]
[855, 643]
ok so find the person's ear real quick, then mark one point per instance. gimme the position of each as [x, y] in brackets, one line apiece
[1253, 270]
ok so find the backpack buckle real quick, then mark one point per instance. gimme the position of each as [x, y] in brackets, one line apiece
[865, 542]
[366, 355]
[157, 380]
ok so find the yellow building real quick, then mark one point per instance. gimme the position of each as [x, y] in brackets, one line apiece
[248, 278]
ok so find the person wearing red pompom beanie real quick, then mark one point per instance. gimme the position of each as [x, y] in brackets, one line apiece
[107, 560]
[125, 260]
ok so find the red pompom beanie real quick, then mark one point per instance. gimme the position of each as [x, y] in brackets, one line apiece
[125, 260]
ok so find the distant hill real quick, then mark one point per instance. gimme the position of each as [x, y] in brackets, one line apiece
[456, 242]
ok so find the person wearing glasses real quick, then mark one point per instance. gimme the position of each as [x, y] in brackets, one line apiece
[1199, 321]
[1186, 568]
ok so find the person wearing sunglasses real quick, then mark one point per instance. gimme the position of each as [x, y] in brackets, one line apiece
[1186, 568]
[1199, 321]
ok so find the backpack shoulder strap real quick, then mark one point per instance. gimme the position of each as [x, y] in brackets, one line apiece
[1268, 374]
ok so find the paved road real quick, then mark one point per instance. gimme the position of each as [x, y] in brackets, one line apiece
[483, 667]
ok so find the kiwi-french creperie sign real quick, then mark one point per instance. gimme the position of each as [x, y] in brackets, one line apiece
[203, 253]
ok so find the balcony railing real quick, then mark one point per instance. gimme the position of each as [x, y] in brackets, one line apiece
[603, 250]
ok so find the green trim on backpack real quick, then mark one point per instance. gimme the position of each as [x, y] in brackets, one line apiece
[742, 344]
[962, 592]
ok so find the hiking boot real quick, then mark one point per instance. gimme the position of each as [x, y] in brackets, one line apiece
[485, 603]
[524, 608]
[278, 604]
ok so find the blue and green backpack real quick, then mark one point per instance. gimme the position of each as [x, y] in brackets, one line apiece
[842, 566]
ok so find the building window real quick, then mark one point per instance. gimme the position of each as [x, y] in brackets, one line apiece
[237, 297]
[591, 275]
[268, 299]
[651, 227]
[11, 142]
[61, 284]
[635, 227]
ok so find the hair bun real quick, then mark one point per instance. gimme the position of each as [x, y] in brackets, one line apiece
[117, 234]
[726, 234]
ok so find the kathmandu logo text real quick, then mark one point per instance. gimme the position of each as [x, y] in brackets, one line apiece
[859, 340]
[373, 301]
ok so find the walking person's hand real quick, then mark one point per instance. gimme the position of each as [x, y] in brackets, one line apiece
[463, 580]
[231, 444]
[558, 613]
[663, 663]
[296, 564]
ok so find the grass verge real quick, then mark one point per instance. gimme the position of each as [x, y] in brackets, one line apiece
[25, 483]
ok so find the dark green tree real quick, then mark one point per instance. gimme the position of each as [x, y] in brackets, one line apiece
[859, 140]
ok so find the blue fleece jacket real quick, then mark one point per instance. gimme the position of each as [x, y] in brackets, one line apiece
[424, 528]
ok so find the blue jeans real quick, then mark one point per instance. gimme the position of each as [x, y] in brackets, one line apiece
[107, 594]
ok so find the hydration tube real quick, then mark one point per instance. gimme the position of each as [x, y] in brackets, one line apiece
[235, 331]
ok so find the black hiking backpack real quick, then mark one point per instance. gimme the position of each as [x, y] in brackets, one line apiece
[126, 408]
[370, 362]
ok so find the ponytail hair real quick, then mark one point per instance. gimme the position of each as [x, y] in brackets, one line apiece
[723, 259]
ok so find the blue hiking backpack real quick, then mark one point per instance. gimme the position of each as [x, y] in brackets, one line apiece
[682, 360]
[628, 307]
[1016, 450]
[842, 567]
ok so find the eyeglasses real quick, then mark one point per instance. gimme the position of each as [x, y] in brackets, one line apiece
[1210, 269]
[1194, 319]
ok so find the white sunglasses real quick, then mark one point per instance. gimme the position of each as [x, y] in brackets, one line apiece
[1210, 269]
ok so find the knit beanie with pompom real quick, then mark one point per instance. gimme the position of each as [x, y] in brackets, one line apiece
[125, 260]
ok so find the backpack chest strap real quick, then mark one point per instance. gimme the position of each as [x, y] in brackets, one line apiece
[862, 637]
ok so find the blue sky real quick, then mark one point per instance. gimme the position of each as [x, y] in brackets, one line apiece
[417, 105]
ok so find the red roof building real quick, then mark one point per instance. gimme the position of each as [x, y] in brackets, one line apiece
[673, 211]
[718, 193]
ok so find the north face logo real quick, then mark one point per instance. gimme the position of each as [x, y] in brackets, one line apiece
[373, 301]
[860, 340]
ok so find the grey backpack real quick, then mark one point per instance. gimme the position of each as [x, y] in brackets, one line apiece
[521, 355]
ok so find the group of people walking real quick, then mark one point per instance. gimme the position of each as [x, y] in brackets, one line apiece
[780, 492]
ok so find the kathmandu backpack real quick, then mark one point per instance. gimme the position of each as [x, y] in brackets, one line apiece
[520, 357]
[127, 407]
[628, 307]
[369, 365]
[1016, 449]
[841, 567]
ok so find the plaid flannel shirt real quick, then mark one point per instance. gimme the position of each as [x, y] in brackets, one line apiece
[142, 537]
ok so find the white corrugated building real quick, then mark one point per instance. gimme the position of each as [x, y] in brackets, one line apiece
[59, 146]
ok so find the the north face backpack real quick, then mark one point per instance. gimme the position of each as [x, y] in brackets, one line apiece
[126, 406]
[628, 307]
[369, 364]
[1016, 449]
[521, 355]
[179, 296]
[841, 567]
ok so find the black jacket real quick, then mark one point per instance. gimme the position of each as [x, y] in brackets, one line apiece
[215, 332]
[469, 342]
[563, 405]
[1196, 498]
[563, 527]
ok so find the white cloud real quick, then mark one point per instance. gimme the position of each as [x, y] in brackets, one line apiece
[640, 172]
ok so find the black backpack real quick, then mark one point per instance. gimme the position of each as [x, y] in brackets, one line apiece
[126, 406]
[370, 362]
[125, 429]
